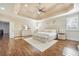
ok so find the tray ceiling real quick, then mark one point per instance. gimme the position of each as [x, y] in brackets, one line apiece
[49, 9]
[37, 11]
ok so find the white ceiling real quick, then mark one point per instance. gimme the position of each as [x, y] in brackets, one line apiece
[7, 7]
[31, 11]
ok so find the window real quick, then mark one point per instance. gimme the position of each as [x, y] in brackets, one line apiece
[72, 23]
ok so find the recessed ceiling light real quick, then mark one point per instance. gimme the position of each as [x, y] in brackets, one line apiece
[25, 5]
[2, 8]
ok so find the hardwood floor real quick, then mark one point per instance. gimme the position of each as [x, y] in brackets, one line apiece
[20, 47]
[4, 45]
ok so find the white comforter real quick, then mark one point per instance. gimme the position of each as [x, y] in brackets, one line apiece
[47, 33]
[45, 36]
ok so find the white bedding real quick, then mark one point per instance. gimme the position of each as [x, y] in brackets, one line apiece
[45, 36]
[48, 33]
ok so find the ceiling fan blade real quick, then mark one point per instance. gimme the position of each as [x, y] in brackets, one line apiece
[42, 10]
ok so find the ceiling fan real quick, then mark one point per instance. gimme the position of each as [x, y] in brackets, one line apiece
[41, 9]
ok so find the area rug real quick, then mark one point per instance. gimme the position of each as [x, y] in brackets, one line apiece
[40, 45]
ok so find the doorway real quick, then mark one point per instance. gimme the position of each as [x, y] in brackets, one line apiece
[4, 30]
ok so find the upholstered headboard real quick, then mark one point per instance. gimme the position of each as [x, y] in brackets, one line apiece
[48, 30]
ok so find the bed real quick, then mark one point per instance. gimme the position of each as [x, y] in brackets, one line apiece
[45, 36]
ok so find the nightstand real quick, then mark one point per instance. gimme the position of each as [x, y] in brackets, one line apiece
[62, 36]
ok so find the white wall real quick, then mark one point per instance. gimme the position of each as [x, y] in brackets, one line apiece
[56, 23]
[34, 24]
[11, 30]
[71, 35]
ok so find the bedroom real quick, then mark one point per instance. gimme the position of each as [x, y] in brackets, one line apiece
[40, 29]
